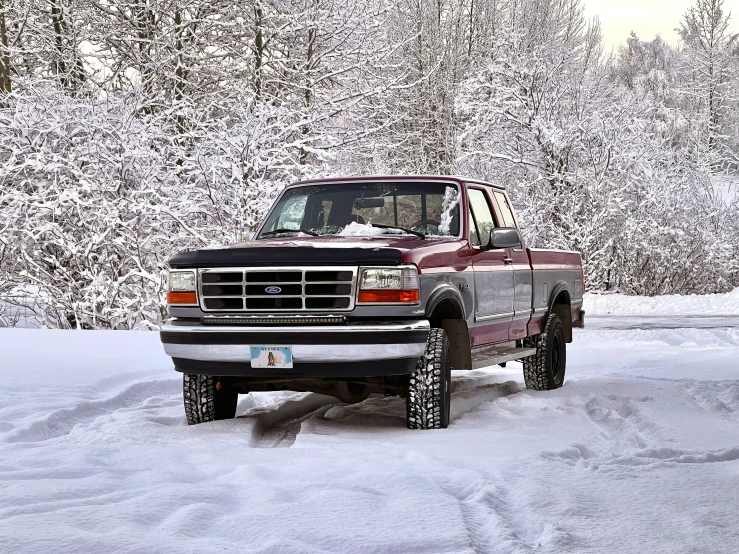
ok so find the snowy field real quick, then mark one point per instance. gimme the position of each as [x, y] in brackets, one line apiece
[638, 452]
[726, 304]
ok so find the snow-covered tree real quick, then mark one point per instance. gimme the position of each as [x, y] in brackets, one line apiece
[133, 129]
[708, 50]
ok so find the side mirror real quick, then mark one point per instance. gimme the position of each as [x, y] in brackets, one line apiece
[504, 237]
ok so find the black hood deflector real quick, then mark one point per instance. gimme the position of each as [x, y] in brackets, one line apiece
[285, 256]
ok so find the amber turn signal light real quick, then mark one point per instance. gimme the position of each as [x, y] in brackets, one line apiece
[181, 298]
[388, 296]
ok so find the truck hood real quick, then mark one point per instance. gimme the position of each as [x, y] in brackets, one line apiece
[324, 250]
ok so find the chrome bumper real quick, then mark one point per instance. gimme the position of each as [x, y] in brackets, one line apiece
[310, 344]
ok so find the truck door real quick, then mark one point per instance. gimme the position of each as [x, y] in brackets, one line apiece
[493, 276]
[522, 276]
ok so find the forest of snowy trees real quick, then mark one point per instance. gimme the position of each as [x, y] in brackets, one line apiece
[132, 129]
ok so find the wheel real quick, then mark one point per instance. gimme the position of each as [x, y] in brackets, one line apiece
[429, 389]
[545, 370]
[204, 401]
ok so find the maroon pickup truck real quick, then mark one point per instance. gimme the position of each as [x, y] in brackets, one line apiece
[371, 285]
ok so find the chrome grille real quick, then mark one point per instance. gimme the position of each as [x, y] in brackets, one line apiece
[277, 289]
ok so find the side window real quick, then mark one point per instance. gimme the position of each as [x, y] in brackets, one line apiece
[474, 236]
[505, 209]
[483, 214]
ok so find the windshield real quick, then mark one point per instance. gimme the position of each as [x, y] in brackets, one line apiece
[350, 208]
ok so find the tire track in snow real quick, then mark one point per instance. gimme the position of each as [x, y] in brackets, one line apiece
[623, 430]
[470, 393]
[496, 521]
[487, 505]
[62, 421]
[279, 427]
[628, 438]
[643, 457]
[718, 397]
[378, 412]
[483, 514]
[650, 456]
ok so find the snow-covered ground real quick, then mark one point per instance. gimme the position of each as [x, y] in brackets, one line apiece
[655, 306]
[638, 452]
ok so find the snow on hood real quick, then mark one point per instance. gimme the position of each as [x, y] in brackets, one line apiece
[367, 230]
[339, 244]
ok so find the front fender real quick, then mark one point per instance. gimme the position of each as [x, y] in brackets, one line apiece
[444, 291]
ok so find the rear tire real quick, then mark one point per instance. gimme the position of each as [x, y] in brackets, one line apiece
[545, 370]
[204, 401]
[429, 390]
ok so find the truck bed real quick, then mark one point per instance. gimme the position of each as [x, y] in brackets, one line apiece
[552, 271]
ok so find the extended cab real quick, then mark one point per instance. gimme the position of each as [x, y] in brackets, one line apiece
[362, 285]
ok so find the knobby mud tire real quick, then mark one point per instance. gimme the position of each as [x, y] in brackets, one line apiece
[204, 401]
[429, 388]
[545, 370]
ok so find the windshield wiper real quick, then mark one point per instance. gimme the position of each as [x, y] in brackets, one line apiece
[278, 231]
[409, 231]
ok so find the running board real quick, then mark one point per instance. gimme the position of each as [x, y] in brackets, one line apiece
[498, 354]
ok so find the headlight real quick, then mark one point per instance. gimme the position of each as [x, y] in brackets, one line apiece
[389, 285]
[182, 286]
[182, 281]
[381, 279]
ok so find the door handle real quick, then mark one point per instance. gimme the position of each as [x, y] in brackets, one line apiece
[507, 260]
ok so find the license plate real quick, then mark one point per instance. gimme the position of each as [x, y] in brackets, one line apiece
[271, 356]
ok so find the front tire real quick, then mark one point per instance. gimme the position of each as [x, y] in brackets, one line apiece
[429, 389]
[205, 401]
[545, 370]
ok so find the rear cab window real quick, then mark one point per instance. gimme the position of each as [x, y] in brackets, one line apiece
[504, 209]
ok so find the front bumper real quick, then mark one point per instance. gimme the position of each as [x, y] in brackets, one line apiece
[318, 351]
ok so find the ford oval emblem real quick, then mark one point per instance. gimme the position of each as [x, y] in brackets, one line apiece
[273, 290]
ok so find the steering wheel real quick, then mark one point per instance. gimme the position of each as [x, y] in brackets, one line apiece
[425, 223]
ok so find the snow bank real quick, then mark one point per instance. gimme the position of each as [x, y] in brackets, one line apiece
[694, 304]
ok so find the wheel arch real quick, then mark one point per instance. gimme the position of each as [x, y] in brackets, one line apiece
[445, 310]
[560, 303]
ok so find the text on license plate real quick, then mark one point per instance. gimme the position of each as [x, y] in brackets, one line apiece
[271, 356]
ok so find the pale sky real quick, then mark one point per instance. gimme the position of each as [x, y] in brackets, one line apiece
[647, 17]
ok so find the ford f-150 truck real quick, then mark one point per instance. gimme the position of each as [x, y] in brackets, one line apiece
[371, 285]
